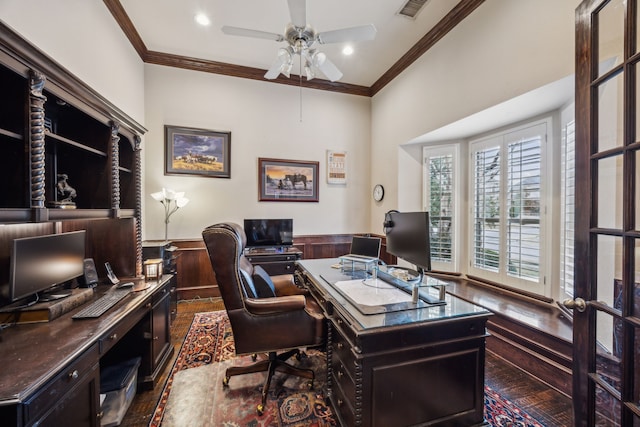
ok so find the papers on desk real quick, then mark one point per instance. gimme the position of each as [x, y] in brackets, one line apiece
[372, 292]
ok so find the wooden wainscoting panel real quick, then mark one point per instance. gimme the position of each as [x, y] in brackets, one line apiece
[195, 275]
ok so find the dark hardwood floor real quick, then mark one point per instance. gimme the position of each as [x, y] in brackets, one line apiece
[547, 405]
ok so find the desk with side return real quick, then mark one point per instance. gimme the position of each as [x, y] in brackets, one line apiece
[395, 362]
[50, 371]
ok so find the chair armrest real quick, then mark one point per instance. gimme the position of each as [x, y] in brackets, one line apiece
[276, 304]
[285, 285]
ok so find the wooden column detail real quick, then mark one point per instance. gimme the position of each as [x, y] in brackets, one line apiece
[36, 137]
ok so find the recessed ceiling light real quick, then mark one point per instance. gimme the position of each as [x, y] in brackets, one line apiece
[348, 50]
[202, 19]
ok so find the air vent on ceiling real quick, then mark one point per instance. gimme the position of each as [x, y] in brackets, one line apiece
[411, 8]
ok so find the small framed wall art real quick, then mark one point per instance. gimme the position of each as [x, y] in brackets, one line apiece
[336, 167]
[287, 180]
[190, 151]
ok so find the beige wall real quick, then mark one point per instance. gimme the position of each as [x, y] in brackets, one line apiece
[505, 48]
[84, 38]
[265, 121]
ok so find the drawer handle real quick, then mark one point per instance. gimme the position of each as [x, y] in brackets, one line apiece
[339, 321]
[73, 375]
[340, 375]
[155, 338]
[148, 305]
[113, 336]
[340, 402]
[340, 346]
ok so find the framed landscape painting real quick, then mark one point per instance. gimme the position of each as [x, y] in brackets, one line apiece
[287, 180]
[201, 152]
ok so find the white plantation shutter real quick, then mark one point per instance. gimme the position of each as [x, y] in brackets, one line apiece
[441, 206]
[486, 208]
[568, 180]
[508, 185]
[523, 197]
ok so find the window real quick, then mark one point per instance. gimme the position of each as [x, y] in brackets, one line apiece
[440, 185]
[507, 207]
[567, 228]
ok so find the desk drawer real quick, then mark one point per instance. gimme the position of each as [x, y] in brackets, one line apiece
[110, 338]
[48, 396]
[343, 407]
[342, 349]
[342, 376]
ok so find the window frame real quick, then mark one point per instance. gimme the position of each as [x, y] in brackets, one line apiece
[501, 139]
[437, 151]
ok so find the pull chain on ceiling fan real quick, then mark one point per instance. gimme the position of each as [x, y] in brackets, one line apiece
[301, 39]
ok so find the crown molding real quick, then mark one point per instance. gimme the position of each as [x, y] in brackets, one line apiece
[446, 24]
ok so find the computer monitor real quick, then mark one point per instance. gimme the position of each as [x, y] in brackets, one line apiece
[365, 246]
[408, 237]
[268, 232]
[43, 262]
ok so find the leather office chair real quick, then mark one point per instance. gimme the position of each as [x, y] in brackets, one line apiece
[267, 314]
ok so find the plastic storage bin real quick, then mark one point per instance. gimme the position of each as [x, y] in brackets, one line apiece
[118, 383]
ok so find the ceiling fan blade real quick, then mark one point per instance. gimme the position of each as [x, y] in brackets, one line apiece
[298, 12]
[352, 34]
[244, 32]
[328, 68]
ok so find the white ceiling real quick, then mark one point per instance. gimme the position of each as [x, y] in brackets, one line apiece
[168, 26]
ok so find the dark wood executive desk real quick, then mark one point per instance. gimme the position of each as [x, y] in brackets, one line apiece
[50, 372]
[421, 366]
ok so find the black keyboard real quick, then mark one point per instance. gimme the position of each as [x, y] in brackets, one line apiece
[102, 304]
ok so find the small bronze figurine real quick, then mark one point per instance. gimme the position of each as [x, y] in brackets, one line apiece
[66, 193]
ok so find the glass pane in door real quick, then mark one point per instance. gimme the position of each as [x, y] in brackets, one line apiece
[607, 409]
[636, 282]
[609, 268]
[610, 22]
[610, 188]
[636, 367]
[610, 113]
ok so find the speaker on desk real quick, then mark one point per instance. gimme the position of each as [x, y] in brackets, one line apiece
[89, 277]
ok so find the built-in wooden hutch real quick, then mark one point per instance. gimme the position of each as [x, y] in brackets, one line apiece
[51, 124]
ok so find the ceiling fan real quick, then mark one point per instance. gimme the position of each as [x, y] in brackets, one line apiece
[301, 39]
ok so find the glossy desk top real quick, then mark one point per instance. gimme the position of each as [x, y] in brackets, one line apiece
[32, 354]
[331, 283]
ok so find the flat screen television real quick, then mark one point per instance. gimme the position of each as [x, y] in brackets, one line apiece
[268, 232]
[42, 263]
[408, 237]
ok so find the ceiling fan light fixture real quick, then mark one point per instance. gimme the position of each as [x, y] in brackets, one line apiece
[286, 69]
[308, 71]
[347, 50]
[301, 38]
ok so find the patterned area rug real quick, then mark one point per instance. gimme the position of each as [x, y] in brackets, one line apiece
[200, 399]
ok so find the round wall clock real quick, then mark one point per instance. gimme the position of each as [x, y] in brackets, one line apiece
[378, 192]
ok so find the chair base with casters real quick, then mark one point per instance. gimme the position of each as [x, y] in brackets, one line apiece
[275, 362]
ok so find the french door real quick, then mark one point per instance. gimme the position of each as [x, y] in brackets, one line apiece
[606, 304]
